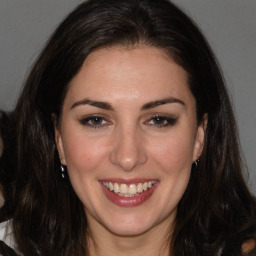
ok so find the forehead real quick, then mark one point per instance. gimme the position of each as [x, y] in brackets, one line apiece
[123, 73]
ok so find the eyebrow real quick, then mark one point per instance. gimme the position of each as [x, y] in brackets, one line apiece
[156, 103]
[98, 104]
[108, 106]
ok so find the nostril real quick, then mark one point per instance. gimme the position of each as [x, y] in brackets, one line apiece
[128, 152]
[128, 160]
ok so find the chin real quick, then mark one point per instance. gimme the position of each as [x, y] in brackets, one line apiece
[128, 231]
[129, 226]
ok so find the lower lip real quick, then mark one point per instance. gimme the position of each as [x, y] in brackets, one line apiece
[128, 201]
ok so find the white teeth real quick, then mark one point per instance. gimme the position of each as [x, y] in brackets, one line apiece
[116, 188]
[139, 188]
[128, 190]
[145, 186]
[123, 189]
[110, 186]
[105, 184]
[132, 189]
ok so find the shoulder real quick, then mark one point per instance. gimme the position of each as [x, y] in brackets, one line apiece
[7, 242]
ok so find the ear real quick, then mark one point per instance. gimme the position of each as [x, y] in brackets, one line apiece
[58, 140]
[199, 142]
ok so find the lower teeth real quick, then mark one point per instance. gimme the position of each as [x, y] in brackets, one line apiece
[126, 195]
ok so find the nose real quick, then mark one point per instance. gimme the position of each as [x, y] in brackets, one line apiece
[128, 150]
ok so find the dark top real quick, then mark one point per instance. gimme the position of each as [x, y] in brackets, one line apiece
[6, 250]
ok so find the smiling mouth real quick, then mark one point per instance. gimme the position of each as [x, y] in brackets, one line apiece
[129, 190]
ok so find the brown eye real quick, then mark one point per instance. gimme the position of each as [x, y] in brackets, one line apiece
[161, 121]
[94, 121]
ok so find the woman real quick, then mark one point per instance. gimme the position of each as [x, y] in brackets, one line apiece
[127, 141]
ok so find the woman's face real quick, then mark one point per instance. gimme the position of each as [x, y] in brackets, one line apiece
[128, 135]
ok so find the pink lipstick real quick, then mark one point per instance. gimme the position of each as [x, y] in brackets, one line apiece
[128, 193]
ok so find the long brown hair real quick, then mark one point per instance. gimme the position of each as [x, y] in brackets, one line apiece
[217, 212]
[8, 163]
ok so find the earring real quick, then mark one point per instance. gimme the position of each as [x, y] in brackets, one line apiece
[196, 162]
[62, 169]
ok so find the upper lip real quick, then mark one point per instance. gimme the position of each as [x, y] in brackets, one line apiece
[128, 181]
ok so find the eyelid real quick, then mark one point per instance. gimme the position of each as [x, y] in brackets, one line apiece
[85, 121]
[165, 121]
[171, 120]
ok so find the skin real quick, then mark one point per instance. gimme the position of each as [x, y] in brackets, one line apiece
[128, 143]
[249, 246]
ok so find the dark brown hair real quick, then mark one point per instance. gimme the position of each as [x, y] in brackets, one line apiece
[217, 212]
[8, 163]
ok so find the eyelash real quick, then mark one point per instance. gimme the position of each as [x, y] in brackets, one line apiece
[86, 121]
[163, 121]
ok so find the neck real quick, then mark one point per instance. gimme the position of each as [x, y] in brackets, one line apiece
[154, 242]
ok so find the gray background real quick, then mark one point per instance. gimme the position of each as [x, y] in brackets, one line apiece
[229, 25]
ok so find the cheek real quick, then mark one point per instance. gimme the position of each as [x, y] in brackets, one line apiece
[173, 153]
[84, 158]
[83, 154]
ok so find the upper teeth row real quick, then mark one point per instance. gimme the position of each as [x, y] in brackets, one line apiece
[131, 189]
